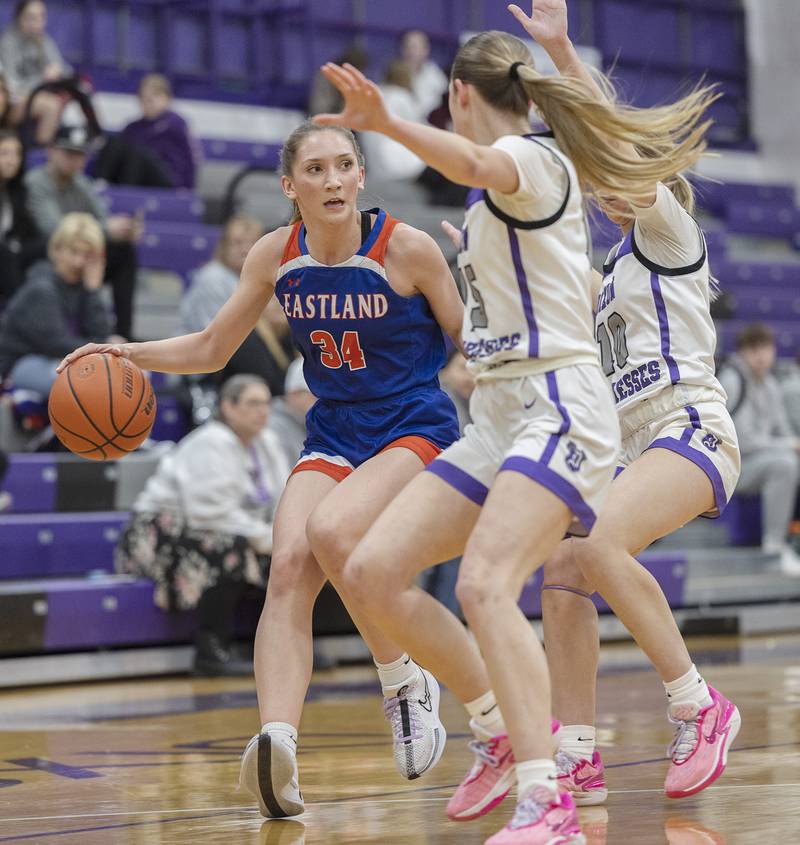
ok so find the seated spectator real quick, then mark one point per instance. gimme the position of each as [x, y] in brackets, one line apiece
[769, 447]
[202, 527]
[288, 417]
[20, 241]
[60, 187]
[29, 56]
[58, 309]
[267, 350]
[325, 99]
[161, 135]
[790, 387]
[428, 80]
[6, 121]
[384, 156]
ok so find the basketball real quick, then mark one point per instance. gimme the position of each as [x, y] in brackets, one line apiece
[102, 407]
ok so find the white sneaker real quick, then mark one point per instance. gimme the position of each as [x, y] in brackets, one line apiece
[790, 562]
[269, 771]
[419, 736]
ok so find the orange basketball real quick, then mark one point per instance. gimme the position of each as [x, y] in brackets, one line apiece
[102, 407]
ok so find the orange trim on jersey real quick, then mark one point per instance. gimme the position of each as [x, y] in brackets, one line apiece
[292, 248]
[378, 249]
[335, 471]
[422, 448]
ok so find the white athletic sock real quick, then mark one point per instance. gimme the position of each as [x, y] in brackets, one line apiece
[284, 731]
[399, 673]
[536, 773]
[486, 720]
[578, 740]
[687, 695]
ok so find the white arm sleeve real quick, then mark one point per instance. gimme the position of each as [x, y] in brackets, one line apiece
[666, 234]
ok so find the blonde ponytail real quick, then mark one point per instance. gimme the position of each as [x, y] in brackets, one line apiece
[594, 133]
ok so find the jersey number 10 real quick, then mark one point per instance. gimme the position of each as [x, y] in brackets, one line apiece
[348, 352]
[619, 349]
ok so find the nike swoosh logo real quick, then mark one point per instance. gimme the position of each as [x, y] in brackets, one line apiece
[426, 703]
[581, 781]
[529, 405]
[487, 712]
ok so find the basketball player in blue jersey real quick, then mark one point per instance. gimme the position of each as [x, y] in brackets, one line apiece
[545, 435]
[367, 298]
[679, 452]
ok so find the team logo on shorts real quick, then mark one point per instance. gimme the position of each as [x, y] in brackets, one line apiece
[711, 441]
[575, 457]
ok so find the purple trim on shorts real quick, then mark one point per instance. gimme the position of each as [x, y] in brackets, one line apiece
[681, 447]
[474, 196]
[462, 481]
[553, 482]
[567, 590]
[552, 443]
[687, 434]
[694, 417]
[663, 325]
[618, 470]
[525, 294]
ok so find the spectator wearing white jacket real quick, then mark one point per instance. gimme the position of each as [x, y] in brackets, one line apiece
[202, 527]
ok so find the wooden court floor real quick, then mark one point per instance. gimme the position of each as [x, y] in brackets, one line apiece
[156, 761]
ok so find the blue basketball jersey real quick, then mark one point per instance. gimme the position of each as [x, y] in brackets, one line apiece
[360, 340]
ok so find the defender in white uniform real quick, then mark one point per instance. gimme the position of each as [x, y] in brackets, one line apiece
[679, 448]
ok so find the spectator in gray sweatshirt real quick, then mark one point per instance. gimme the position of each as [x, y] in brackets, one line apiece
[29, 56]
[770, 450]
[58, 308]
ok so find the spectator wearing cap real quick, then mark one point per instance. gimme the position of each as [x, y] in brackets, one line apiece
[164, 133]
[60, 187]
[29, 57]
[770, 450]
[288, 417]
[267, 350]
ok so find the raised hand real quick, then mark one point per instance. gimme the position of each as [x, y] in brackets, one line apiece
[364, 108]
[121, 350]
[547, 23]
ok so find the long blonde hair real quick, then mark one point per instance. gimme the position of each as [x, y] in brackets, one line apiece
[593, 132]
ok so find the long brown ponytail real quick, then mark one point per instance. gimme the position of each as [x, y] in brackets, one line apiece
[593, 132]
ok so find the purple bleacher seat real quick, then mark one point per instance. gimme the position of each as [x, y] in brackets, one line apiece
[742, 517]
[754, 274]
[31, 480]
[39, 546]
[654, 37]
[669, 569]
[787, 336]
[171, 423]
[247, 152]
[167, 204]
[177, 247]
[776, 219]
[765, 303]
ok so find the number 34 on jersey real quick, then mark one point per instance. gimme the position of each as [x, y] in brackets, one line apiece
[335, 355]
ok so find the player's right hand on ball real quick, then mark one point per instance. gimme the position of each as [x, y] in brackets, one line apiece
[119, 349]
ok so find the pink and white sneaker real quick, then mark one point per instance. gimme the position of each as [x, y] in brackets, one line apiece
[542, 818]
[584, 779]
[488, 781]
[699, 751]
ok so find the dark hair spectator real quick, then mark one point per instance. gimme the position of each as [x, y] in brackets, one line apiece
[267, 350]
[324, 98]
[202, 527]
[29, 57]
[769, 447]
[58, 308]
[60, 187]
[20, 241]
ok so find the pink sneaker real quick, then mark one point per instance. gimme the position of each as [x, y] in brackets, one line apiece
[488, 781]
[584, 779]
[542, 818]
[700, 749]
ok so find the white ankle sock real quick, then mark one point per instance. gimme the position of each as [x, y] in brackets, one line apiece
[283, 729]
[578, 740]
[536, 773]
[399, 673]
[486, 720]
[686, 692]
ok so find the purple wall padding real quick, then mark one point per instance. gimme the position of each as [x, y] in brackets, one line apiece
[31, 480]
[108, 613]
[668, 569]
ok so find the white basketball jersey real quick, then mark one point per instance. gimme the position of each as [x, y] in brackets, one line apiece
[652, 324]
[524, 264]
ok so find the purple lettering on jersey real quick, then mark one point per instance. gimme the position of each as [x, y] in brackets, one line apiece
[636, 380]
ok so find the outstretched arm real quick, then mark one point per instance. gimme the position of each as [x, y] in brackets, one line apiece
[457, 158]
[209, 350]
